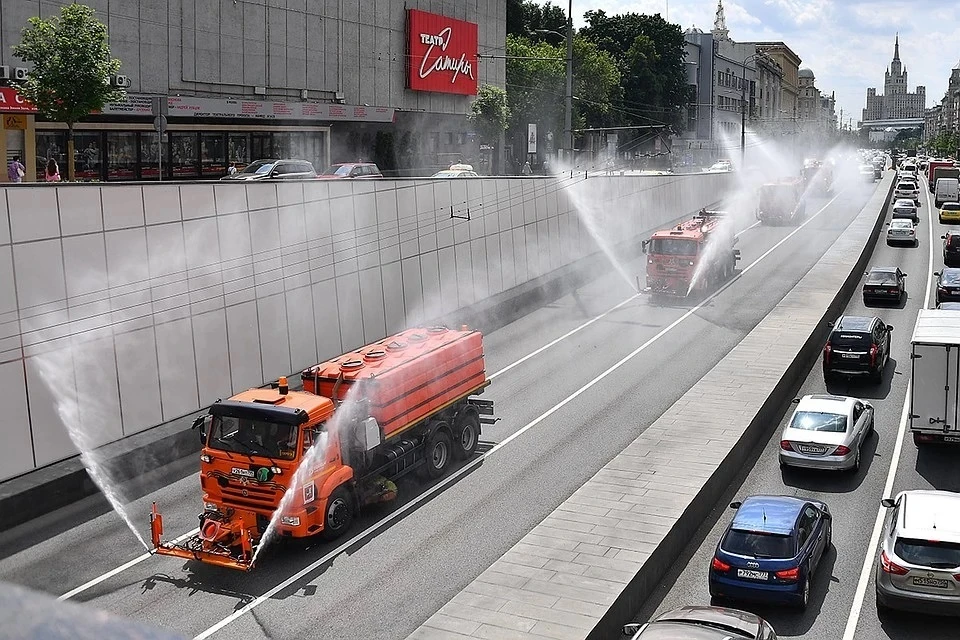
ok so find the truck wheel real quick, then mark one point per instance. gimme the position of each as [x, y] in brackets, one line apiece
[466, 433]
[338, 515]
[437, 452]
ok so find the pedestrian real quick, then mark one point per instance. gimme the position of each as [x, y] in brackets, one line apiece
[52, 173]
[526, 171]
[16, 171]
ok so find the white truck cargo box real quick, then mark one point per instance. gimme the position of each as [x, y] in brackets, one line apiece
[934, 371]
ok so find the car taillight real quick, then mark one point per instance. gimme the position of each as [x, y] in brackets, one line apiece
[719, 565]
[786, 445]
[788, 574]
[841, 451]
[873, 354]
[827, 349]
[890, 566]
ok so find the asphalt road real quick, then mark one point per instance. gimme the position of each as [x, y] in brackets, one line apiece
[853, 499]
[384, 584]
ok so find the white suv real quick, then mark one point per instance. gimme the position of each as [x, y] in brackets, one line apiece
[907, 190]
[919, 565]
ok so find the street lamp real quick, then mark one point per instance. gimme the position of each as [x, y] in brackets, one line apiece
[568, 99]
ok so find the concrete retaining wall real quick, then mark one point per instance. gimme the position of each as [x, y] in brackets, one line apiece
[141, 303]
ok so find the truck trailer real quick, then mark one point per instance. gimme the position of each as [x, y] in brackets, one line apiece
[934, 371]
[362, 421]
[693, 256]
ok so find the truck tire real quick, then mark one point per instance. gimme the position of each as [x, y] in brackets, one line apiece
[338, 515]
[466, 433]
[437, 452]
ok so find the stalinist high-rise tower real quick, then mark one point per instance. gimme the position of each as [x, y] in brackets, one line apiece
[896, 102]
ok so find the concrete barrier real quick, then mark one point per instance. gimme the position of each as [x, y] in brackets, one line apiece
[589, 566]
[140, 304]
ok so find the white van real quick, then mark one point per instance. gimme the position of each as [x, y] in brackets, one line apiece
[948, 190]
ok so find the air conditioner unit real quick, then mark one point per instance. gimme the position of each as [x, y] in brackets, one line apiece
[338, 96]
[120, 81]
[20, 73]
[4, 72]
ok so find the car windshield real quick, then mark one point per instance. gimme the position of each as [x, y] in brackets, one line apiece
[253, 437]
[847, 340]
[819, 421]
[259, 167]
[673, 247]
[928, 553]
[951, 206]
[757, 544]
[951, 277]
[776, 196]
[338, 170]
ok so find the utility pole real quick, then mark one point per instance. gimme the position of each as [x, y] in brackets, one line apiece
[743, 110]
[568, 106]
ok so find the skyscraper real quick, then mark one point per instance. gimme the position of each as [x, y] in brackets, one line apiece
[896, 103]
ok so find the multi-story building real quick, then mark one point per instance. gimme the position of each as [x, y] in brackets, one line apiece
[897, 108]
[242, 80]
[932, 123]
[789, 63]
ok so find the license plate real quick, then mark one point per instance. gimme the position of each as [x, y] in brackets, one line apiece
[951, 438]
[753, 575]
[811, 448]
[939, 583]
[237, 471]
[851, 356]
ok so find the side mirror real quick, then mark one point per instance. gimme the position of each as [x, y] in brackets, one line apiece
[644, 245]
[943, 237]
[201, 423]
[736, 505]
[936, 273]
[631, 629]
[826, 515]
[904, 275]
[889, 327]
[830, 324]
[888, 503]
[795, 401]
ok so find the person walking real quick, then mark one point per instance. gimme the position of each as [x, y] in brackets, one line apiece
[52, 173]
[16, 171]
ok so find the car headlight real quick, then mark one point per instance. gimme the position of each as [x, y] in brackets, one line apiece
[290, 521]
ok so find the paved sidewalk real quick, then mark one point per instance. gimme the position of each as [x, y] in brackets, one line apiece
[588, 566]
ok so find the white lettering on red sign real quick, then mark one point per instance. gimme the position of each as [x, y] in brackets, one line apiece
[443, 62]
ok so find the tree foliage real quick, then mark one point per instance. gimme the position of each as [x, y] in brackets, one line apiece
[525, 18]
[71, 64]
[944, 144]
[649, 53]
[489, 113]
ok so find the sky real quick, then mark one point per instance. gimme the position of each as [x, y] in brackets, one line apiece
[848, 44]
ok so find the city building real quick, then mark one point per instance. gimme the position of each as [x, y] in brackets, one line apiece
[789, 63]
[326, 82]
[932, 123]
[896, 108]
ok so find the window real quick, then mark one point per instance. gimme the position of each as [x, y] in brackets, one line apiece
[673, 247]
[858, 410]
[51, 144]
[149, 150]
[184, 155]
[87, 156]
[819, 421]
[808, 522]
[928, 553]
[758, 544]
[213, 156]
[254, 437]
[121, 155]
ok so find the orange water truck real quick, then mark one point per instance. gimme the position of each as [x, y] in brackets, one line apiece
[407, 403]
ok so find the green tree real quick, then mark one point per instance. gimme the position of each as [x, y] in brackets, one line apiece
[529, 19]
[490, 115]
[649, 54]
[71, 68]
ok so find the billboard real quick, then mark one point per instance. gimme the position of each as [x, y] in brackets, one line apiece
[442, 53]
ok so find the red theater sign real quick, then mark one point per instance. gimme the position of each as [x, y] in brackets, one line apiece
[443, 53]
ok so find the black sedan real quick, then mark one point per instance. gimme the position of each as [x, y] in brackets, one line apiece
[948, 285]
[884, 284]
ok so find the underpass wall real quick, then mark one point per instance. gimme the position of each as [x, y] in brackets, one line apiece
[125, 306]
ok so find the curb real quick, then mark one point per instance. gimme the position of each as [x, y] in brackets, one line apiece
[669, 550]
[60, 484]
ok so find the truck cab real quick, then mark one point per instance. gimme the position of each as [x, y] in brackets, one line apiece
[695, 254]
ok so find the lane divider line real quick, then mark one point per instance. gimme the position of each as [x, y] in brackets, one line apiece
[447, 480]
[94, 582]
[869, 560]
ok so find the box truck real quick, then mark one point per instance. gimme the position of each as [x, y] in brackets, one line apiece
[934, 369]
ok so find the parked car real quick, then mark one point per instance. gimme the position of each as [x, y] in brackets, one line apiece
[951, 248]
[948, 285]
[826, 432]
[771, 550]
[351, 170]
[884, 284]
[274, 170]
[857, 346]
[905, 208]
[703, 623]
[901, 231]
[919, 565]
[949, 212]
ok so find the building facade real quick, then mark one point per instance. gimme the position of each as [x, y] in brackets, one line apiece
[326, 82]
[789, 63]
[896, 102]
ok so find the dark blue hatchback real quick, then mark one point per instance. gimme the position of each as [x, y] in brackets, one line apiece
[771, 550]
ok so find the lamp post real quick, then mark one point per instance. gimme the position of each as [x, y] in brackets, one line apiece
[568, 98]
[743, 109]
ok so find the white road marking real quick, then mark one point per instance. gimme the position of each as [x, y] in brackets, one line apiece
[868, 561]
[141, 558]
[476, 461]
[113, 572]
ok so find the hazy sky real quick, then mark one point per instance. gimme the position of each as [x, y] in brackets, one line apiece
[847, 43]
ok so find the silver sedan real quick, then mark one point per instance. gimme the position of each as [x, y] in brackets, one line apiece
[826, 432]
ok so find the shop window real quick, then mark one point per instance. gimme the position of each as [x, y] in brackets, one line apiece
[238, 150]
[51, 144]
[213, 155]
[149, 160]
[87, 156]
[121, 155]
[184, 155]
